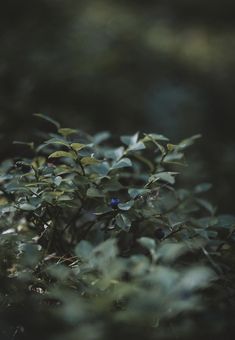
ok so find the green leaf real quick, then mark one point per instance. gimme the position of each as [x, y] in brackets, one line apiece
[123, 222]
[187, 142]
[197, 278]
[137, 192]
[153, 136]
[102, 210]
[78, 146]
[30, 254]
[150, 138]
[84, 250]
[137, 146]
[58, 154]
[57, 141]
[130, 140]
[29, 144]
[93, 192]
[12, 187]
[122, 163]
[126, 206]
[174, 156]
[104, 252]
[147, 243]
[40, 115]
[63, 198]
[54, 141]
[58, 180]
[112, 185]
[170, 147]
[101, 137]
[163, 176]
[27, 207]
[161, 148]
[203, 187]
[89, 161]
[115, 154]
[226, 221]
[206, 222]
[101, 168]
[58, 271]
[66, 131]
[6, 209]
[207, 205]
[51, 195]
[169, 252]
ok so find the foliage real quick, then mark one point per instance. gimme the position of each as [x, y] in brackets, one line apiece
[97, 241]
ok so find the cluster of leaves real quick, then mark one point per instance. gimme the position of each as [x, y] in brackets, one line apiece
[97, 241]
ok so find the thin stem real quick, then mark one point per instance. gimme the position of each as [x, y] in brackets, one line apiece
[73, 219]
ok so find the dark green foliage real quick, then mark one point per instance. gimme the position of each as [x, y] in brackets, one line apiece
[98, 242]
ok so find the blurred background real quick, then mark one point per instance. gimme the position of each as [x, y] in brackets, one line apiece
[163, 66]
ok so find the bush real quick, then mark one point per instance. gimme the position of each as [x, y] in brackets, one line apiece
[98, 242]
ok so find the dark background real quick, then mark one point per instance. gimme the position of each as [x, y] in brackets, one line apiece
[162, 66]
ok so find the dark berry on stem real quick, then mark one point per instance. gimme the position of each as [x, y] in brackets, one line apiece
[159, 233]
[23, 166]
[114, 203]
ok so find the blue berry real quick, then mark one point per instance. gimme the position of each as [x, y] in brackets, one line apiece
[114, 202]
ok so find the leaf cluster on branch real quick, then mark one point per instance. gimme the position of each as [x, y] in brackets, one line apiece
[97, 239]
